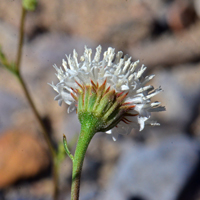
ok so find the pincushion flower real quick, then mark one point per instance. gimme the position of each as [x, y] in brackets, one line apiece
[114, 83]
[109, 95]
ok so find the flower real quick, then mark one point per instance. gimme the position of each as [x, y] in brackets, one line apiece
[114, 75]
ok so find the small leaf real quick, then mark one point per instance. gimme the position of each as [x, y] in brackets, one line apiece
[8, 65]
[66, 148]
[3, 59]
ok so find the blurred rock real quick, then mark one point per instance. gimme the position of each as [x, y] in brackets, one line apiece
[127, 34]
[181, 94]
[180, 15]
[8, 104]
[22, 156]
[152, 171]
[197, 7]
[40, 189]
[195, 126]
[8, 40]
[49, 49]
[169, 50]
[89, 19]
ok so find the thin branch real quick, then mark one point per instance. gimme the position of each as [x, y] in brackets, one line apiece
[45, 134]
[32, 105]
[21, 38]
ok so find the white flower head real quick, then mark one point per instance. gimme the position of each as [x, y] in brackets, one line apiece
[116, 78]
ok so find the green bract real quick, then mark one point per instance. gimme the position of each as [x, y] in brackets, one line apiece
[100, 107]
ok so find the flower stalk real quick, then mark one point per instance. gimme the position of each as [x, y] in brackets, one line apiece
[89, 124]
[98, 110]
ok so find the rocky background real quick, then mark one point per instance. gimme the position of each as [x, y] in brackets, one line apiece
[160, 163]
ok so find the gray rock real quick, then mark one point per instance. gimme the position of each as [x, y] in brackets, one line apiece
[49, 49]
[8, 105]
[181, 93]
[154, 171]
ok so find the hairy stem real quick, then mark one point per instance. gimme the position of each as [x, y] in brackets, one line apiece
[82, 145]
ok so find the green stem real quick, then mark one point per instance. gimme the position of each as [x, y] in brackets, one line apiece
[36, 113]
[84, 139]
[21, 38]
